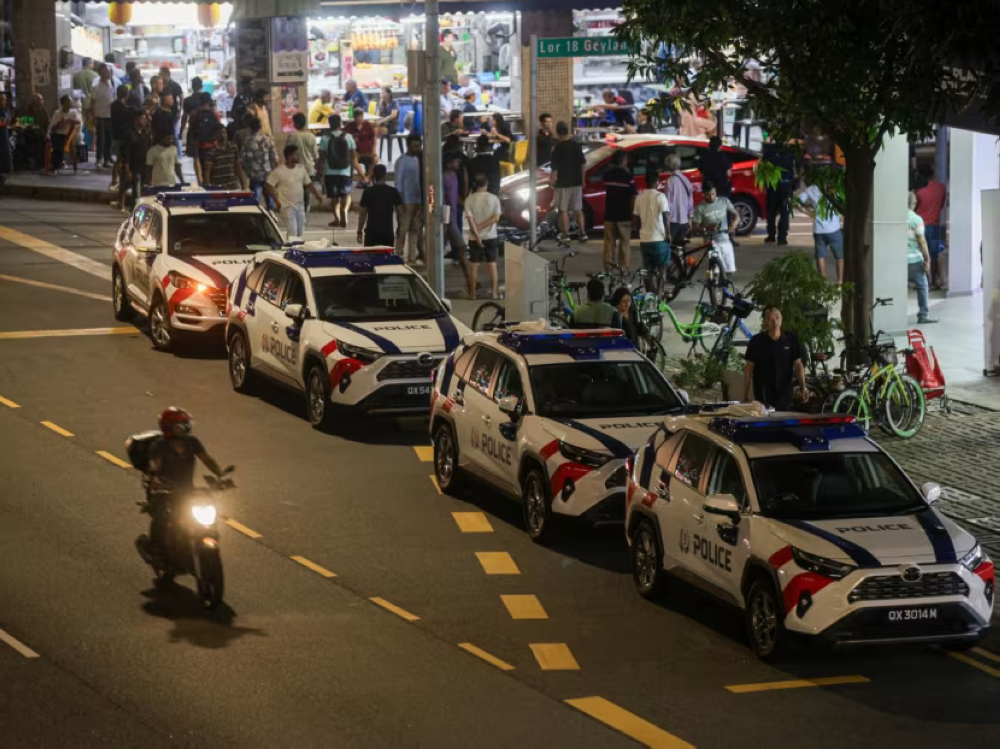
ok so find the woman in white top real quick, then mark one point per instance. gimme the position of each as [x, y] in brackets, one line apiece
[62, 132]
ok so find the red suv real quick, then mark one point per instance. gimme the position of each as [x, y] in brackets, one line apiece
[647, 153]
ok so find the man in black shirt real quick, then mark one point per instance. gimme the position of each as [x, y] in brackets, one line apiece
[567, 176]
[716, 167]
[619, 187]
[779, 196]
[773, 357]
[546, 140]
[378, 204]
[484, 163]
[172, 87]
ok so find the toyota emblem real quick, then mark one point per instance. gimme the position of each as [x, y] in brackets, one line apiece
[912, 574]
[425, 359]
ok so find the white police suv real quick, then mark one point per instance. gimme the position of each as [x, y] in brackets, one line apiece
[806, 525]
[548, 417]
[354, 328]
[176, 255]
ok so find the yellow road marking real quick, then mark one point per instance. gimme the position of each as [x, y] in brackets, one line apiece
[472, 522]
[628, 723]
[242, 528]
[975, 664]
[497, 563]
[313, 566]
[112, 459]
[55, 287]
[19, 646]
[434, 480]
[425, 453]
[491, 659]
[986, 654]
[20, 334]
[554, 656]
[524, 607]
[55, 252]
[57, 429]
[8, 403]
[825, 681]
[403, 613]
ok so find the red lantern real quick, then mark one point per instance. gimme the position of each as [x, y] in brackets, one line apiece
[119, 14]
[209, 15]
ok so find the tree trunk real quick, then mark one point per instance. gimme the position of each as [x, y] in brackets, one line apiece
[859, 180]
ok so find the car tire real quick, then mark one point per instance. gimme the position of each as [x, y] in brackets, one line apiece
[241, 376]
[159, 325]
[119, 296]
[449, 475]
[647, 561]
[536, 505]
[765, 619]
[748, 212]
[318, 406]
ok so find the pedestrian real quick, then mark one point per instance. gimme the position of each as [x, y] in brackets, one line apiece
[172, 87]
[340, 158]
[63, 127]
[365, 141]
[469, 109]
[715, 216]
[224, 169]
[409, 174]
[353, 96]
[257, 156]
[259, 110]
[308, 150]
[388, 118]
[646, 124]
[163, 124]
[484, 163]
[138, 90]
[631, 325]
[453, 125]
[918, 260]
[121, 123]
[621, 110]
[449, 55]
[773, 362]
[102, 96]
[286, 186]
[931, 196]
[379, 203]
[452, 149]
[596, 313]
[567, 176]
[161, 160]
[619, 201]
[447, 102]
[83, 81]
[201, 135]
[779, 196]
[137, 144]
[826, 229]
[680, 198]
[451, 184]
[118, 75]
[653, 210]
[191, 104]
[321, 108]
[482, 212]
[545, 141]
[224, 99]
[156, 86]
[717, 168]
[503, 136]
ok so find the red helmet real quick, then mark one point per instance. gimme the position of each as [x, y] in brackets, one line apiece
[175, 422]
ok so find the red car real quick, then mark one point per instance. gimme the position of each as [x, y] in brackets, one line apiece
[645, 152]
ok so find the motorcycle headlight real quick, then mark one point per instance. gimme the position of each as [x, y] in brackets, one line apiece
[204, 514]
[821, 565]
[363, 355]
[974, 558]
[582, 455]
[180, 281]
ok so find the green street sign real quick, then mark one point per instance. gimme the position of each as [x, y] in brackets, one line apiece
[581, 46]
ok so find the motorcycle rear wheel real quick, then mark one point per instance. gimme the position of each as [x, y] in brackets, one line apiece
[211, 583]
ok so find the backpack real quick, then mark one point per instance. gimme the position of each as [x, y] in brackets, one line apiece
[337, 152]
[137, 447]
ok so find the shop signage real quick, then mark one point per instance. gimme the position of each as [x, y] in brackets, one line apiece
[581, 46]
[289, 50]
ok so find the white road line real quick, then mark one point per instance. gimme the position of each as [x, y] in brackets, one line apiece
[19, 646]
[54, 252]
[55, 287]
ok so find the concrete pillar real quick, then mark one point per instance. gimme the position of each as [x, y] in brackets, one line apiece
[888, 232]
[555, 76]
[35, 24]
[975, 166]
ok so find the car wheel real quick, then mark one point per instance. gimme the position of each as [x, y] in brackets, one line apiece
[536, 505]
[159, 325]
[119, 296]
[748, 212]
[647, 561]
[240, 375]
[588, 218]
[765, 619]
[449, 475]
[318, 397]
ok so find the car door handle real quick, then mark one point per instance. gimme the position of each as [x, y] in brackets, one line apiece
[274, 327]
[699, 519]
[663, 491]
[458, 398]
[487, 419]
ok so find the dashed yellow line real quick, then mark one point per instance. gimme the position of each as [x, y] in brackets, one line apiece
[472, 522]
[402, 613]
[974, 663]
[524, 607]
[8, 403]
[313, 566]
[112, 459]
[497, 563]
[769, 686]
[57, 429]
[19, 334]
[628, 723]
[425, 453]
[434, 480]
[242, 528]
[480, 653]
[986, 654]
[554, 656]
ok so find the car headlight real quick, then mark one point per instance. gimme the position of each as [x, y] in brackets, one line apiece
[363, 355]
[582, 455]
[821, 565]
[183, 282]
[974, 558]
[204, 514]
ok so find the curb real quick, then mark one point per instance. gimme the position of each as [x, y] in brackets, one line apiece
[56, 192]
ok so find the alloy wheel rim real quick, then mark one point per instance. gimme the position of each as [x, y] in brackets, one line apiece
[444, 458]
[644, 556]
[765, 622]
[119, 294]
[536, 510]
[238, 362]
[159, 327]
[316, 398]
[746, 216]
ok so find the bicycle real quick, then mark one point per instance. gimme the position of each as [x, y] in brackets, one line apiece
[682, 269]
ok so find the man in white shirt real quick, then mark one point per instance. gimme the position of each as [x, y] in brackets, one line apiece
[653, 210]
[826, 229]
[286, 187]
[482, 211]
[160, 161]
[102, 96]
[715, 216]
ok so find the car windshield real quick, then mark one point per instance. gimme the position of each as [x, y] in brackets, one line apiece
[583, 390]
[371, 296]
[221, 233]
[828, 485]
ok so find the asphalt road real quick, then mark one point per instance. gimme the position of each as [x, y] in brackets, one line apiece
[389, 630]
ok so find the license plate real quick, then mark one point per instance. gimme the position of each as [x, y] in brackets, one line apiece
[914, 614]
[418, 389]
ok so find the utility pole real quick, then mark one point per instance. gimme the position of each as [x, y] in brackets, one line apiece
[434, 242]
[532, 143]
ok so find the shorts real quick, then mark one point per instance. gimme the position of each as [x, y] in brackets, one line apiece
[655, 255]
[485, 252]
[678, 233]
[834, 241]
[569, 198]
[337, 185]
[726, 253]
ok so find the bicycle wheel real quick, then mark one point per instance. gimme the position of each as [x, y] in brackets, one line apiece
[674, 280]
[905, 408]
[489, 314]
[654, 351]
[558, 320]
[718, 282]
[851, 403]
[711, 332]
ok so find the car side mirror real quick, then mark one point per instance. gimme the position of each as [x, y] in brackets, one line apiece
[723, 504]
[685, 398]
[931, 492]
[295, 311]
[147, 245]
[509, 405]
[447, 304]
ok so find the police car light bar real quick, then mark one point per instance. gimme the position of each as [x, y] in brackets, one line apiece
[806, 433]
[355, 259]
[584, 344]
[217, 201]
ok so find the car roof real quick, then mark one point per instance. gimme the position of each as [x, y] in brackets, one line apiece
[636, 140]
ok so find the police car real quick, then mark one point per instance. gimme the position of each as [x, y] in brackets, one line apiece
[176, 255]
[548, 417]
[806, 525]
[352, 328]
